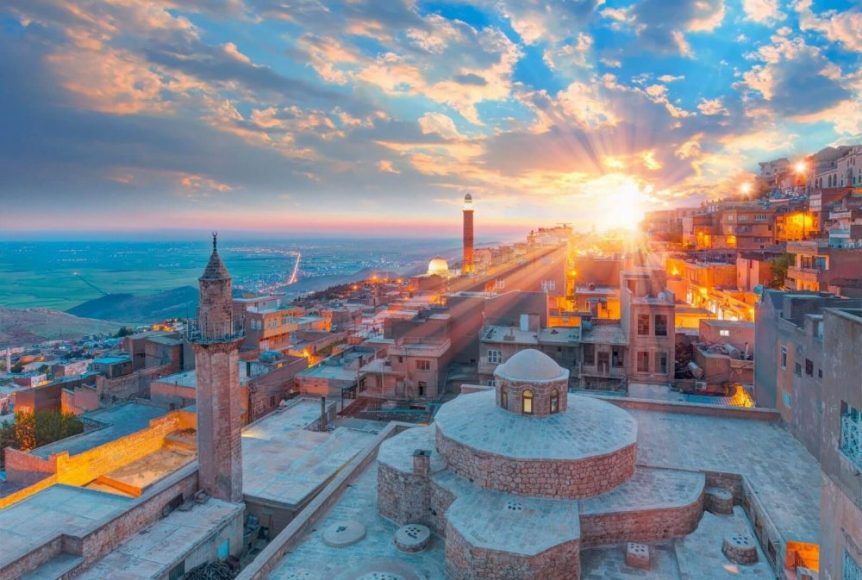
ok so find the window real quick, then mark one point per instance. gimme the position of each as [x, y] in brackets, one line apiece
[723, 332]
[809, 368]
[589, 354]
[643, 362]
[797, 369]
[850, 443]
[423, 365]
[504, 398]
[527, 402]
[660, 325]
[555, 401]
[617, 356]
[495, 356]
[819, 373]
[852, 570]
[422, 387]
[783, 357]
[643, 324]
[661, 362]
[604, 361]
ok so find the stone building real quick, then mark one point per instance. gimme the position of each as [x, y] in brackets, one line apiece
[519, 478]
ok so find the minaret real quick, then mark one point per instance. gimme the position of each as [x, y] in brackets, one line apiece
[215, 337]
[467, 266]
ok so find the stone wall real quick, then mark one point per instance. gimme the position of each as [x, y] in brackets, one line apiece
[542, 478]
[24, 467]
[640, 526]
[402, 497]
[751, 413]
[467, 562]
[440, 500]
[80, 400]
[541, 395]
[841, 525]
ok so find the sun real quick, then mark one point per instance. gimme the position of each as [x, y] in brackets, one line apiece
[619, 202]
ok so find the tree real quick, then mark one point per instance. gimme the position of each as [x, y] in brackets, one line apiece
[780, 264]
[124, 331]
[31, 430]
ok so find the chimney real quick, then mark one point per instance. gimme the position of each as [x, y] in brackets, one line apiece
[421, 462]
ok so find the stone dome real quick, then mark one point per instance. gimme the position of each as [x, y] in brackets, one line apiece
[530, 365]
[438, 266]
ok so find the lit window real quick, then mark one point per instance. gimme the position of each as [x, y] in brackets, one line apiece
[724, 332]
[527, 402]
[555, 401]
[504, 398]
[851, 434]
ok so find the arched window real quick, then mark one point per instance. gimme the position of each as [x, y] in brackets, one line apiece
[555, 401]
[504, 398]
[527, 402]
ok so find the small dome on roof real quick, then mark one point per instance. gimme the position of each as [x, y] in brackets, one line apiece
[438, 266]
[530, 365]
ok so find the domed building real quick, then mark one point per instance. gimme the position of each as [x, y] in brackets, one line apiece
[438, 266]
[518, 478]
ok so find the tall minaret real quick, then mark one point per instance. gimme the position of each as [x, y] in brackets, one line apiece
[216, 336]
[467, 267]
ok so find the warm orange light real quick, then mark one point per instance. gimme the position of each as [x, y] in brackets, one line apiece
[674, 272]
[745, 188]
[800, 167]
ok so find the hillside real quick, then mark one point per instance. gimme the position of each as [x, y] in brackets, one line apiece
[143, 308]
[19, 327]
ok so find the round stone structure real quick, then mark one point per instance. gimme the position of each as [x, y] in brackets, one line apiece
[412, 537]
[584, 451]
[344, 533]
[532, 383]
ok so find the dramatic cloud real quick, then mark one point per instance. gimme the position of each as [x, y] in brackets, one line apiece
[129, 113]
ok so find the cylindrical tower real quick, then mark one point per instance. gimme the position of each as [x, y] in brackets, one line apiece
[467, 267]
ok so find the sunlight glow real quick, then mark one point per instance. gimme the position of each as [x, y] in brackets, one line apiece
[620, 201]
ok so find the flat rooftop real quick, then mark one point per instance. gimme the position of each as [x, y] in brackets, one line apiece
[119, 421]
[283, 462]
[60, 509]
[153, 551]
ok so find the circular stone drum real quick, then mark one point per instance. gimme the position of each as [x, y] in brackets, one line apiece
[740, 548]
[412, 538]
[342, 534]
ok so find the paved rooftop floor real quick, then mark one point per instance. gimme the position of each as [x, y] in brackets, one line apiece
[283, 462]
[314, 560]
[782, 472]
[148, 469]
[151, 552]
[587, 428]
[60, 509]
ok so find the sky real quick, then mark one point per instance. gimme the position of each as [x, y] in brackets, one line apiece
[372, 117]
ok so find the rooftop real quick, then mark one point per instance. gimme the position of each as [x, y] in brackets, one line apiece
[283, 462]
[153, 551]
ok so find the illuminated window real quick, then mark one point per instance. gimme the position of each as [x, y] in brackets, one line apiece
[495, 356]
[643, 324]
[423, 365]
[504, 398]
[851, 434]
[555, 401]
[527, 402]
[724, 332]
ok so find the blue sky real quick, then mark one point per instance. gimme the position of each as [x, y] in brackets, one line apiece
[368, 116]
